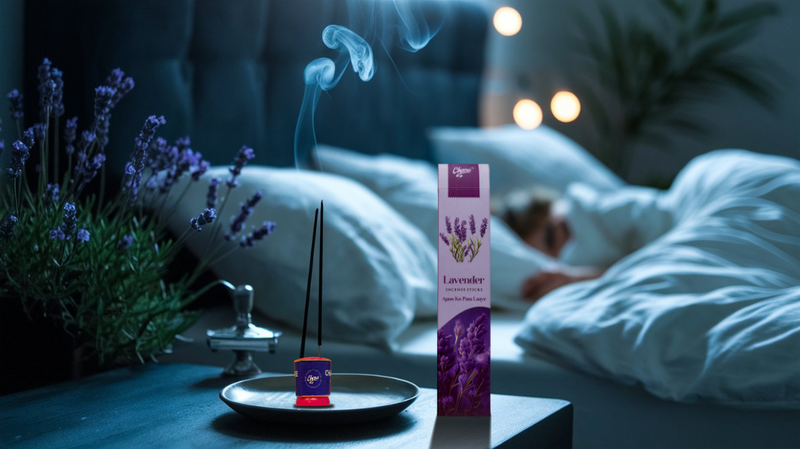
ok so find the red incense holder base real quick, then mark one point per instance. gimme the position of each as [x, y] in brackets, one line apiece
[313, 401]
[312, 381]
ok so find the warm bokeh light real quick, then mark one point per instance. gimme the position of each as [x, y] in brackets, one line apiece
[527, 114]
[565, 106]
[507, 21]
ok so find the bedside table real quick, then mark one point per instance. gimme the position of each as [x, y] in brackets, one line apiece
[178, 405]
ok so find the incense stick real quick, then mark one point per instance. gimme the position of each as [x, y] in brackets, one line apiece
[319, 315]
[308, 286]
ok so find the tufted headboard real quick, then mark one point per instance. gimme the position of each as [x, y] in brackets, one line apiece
[230, 72]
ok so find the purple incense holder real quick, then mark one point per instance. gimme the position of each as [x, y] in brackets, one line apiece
[312, 381]
[464, 293]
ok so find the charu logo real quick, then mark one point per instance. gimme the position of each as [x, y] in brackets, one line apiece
[313, 378]
[460, 172]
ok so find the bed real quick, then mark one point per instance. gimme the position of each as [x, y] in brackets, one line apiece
[613, 407]
[245, 86]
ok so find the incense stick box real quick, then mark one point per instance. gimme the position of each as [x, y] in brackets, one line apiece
[464, 291]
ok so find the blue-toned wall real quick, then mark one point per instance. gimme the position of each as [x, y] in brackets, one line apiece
[10, 56]
[542, 49]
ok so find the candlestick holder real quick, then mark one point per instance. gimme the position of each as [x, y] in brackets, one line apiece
[244, 337]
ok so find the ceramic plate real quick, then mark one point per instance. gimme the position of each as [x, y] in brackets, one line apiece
[354, 398]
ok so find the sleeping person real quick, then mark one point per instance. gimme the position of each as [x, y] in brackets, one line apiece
[537, 216]
[588, 230]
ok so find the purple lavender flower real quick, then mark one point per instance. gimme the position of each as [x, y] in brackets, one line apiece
[203, 219]
[242, 158]
[237, 224]
[447, 224]
[213, 190]
[473, 368]
[444, 371]
[183, 143]
[39, 131]
[51, 194]
[458, 329]
[472, 224]
[266, 228]
[106, 97]
[86, 140]
[44, 72]
[80, 165]
[15, 100]
[473, 343]
[483, 226]
[19, 154]
[58, 92]
[7, 227]
[83, 235]
[133, 169]
[51, 88]
[464, 230]
[29, 136]
[48, 92]
[200, 170]
[86, 170]
[120, 83]
[446, 404]
[189, 160]
[444, 238]
[70, 133]
[68, 225]
[103, 95]
[466, 251]
[161, 155]
[124, 243]
[70, 219]
[470, 346]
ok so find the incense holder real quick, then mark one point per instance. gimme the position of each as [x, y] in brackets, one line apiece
[312, 381]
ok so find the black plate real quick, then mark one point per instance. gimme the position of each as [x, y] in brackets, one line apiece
[354, 398]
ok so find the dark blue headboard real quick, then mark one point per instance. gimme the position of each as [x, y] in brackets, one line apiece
[230, 72]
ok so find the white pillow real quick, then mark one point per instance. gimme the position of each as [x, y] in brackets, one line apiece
[521, 158]
[380, 271]
[410, 187]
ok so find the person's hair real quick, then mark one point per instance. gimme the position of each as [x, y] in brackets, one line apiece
[525, 210]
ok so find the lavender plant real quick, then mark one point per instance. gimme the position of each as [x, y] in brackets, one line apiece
[463, 369]
[99, 266]
[461, 246]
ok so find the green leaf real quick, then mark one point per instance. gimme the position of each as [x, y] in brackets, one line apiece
[741, 76]
[747, 15]
[678, 9]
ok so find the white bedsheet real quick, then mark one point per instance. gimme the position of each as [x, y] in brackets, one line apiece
[710, 308]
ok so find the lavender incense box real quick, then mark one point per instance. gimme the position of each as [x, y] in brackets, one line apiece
[464, 291]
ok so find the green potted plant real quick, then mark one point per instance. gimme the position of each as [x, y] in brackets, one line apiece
[648, 74]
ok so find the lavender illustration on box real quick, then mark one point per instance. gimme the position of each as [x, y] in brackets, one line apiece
[463, 366]
[460, 245]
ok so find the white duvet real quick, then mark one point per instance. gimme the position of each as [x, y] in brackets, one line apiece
[709, 307]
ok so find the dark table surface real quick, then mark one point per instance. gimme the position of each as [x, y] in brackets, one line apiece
[178, 406]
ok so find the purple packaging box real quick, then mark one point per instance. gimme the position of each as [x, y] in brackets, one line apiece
[464, 291]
